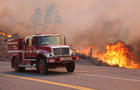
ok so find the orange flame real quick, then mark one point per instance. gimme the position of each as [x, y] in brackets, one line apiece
[9, 35]
[85, 51]
[116, 54]
[4, 34]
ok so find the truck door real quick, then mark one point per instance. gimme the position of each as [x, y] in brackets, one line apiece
[28, 48]
[34, 46]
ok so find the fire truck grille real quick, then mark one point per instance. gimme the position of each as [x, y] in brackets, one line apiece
[61, 51]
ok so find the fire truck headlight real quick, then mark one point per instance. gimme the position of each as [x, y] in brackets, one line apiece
[72, 53]
[48, 55]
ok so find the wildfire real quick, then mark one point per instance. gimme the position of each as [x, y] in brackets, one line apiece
[85, 51]
[4, 34]
[116, 54]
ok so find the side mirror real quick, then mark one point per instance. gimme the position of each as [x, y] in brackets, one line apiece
[65, 40]
[23, 45]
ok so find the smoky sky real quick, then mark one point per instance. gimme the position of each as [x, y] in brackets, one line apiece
[118, 18]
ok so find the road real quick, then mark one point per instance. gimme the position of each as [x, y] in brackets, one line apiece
[85, 77]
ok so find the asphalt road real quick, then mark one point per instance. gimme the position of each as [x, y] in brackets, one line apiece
[85, 77]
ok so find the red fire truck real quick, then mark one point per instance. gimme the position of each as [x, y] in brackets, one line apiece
[41, 51]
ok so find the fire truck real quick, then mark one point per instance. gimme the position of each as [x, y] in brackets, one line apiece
[41, 51]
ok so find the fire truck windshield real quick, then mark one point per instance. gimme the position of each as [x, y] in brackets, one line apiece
[50, 40]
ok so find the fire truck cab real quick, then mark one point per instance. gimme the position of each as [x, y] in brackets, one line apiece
[41, 51]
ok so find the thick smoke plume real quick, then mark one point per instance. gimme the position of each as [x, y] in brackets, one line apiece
[76, 15]
[102, 32]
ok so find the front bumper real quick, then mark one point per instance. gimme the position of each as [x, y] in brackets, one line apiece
[62, 59]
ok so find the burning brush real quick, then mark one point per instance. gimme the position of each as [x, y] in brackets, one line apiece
[117, 54]
[6, 35]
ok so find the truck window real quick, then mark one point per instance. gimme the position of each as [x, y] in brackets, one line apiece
[23, 44]
[27, 42]
[50, 40]
[35, 41]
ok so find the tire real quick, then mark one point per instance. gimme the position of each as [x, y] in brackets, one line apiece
[37, 69]
[16, 67]
[37, 66]
[70, 67]
[43, 67]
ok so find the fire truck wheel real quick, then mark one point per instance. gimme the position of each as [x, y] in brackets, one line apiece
[16, 67]
[70, 67]
[43, 68]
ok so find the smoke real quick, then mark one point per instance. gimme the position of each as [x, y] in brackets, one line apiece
[16, 16]
[76, 15]
[112, 21]
[134, 46]
[102, 32]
